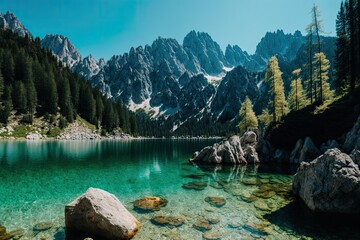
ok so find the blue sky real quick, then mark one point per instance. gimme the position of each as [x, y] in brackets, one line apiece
[107, 27]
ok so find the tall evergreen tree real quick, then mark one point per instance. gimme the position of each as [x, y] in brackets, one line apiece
[297, 98]
[278, 102]
[19, 97]
[248, 118]
[31, 95]
[327, 93]
[342, 52]
[52, 96]
[352, 22]
[65, 103]
[1, 85]
[318, 29]
[265, 117]
[309, 30]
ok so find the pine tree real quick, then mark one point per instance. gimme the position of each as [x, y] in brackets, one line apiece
[65, 103]
[318, 29]
[247, 116]
[352, 44]
[327, 93]
[265, 117]
[1, 85]
[19, 97]
[342, 53]
[278, 102]
[99, 109]
[309, 30]
[52, 96]
[31, 94]
[297, 99]
[133, 124]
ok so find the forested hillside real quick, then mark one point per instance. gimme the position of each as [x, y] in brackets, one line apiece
[34, 84]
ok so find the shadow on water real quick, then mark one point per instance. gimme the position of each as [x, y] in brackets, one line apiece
[298, 218]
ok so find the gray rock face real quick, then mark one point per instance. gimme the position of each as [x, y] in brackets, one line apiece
[88, 67]
[233, 89]
[329, 145]
[330, 183]
[230, 151]
[352, 140]
[308, 151]
[355, 156]
[206, 51]
[10, 21]
[100, 213]
[295, 153]
[62, 48]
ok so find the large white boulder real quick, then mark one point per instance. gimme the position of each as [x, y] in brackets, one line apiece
[330, 183]
[99, 213]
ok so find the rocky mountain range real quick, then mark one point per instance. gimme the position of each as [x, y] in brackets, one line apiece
[187, 80]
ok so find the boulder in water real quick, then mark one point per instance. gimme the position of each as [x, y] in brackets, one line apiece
[100, 213]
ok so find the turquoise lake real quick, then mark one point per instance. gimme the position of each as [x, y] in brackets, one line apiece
[37, 180]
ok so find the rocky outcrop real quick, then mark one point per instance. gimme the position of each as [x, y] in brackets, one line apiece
[304, 151]
[62, 48]
[355, 155]
[227, 151]
[34, 136]
[230, 151]
[100, 213]
[330, 183]
[10, 21]
[329, 145]
[79, 136]
[352, 140]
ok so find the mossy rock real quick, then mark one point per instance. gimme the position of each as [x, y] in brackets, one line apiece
[169, 221]
[249, 181]
[43, 226]
[202, 225]
[212, 235]
[215, 201]
[264, 194]
[247, 197]
[150, 203]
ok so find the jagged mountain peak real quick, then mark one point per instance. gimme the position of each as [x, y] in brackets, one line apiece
[62, 47]
[280, 43]
[10, 21]
[208, 52]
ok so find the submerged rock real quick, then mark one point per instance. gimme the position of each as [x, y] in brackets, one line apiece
[202, 225]
[330, 183]
[43, 226]
[194, 176]
[216, 201]
[100, 213]
[150, 203]
[195, 185]
[212, 235]
[170, 221]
